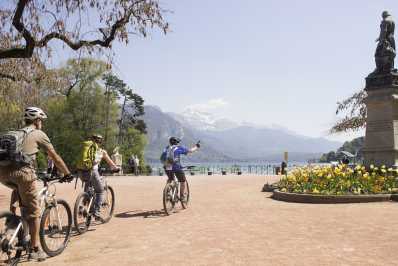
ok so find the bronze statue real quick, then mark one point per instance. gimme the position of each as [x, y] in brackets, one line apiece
[385, 51]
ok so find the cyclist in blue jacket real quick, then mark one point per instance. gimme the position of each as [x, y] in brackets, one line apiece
[171, 159]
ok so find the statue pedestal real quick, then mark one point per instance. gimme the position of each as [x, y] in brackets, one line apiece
[381, 140]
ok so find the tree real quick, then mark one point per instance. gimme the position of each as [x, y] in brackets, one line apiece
[328, 157]
[28, 25]
[355, 117]
[132, 107]
[133, 142]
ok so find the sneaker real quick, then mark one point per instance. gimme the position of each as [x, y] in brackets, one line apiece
[97, 217]
[37, 255]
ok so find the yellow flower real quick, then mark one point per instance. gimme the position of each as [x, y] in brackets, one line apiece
[390, 169]
[315, 191]
[372, 166]
[383, 170]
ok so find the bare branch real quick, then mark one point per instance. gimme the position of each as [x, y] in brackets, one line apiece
[27, 50]
[356, 113]
[7, 76]
[139, 14]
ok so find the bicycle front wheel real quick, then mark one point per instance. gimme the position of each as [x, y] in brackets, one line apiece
[81, 212]
[185, 198]
[55, 228]
[108, 206]
[168, 198]
[9, 255]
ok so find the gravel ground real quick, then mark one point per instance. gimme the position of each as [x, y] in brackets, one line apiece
[229, 222]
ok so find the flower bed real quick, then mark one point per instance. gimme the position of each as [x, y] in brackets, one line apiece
[340, 180]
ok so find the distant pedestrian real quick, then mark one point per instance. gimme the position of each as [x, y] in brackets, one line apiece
[117, 158]
[283, 168]
[137, 165]
[132, 164]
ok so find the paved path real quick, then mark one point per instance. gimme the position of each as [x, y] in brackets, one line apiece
[230, 222]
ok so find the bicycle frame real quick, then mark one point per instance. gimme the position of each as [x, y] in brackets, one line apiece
[91, 191]
[45, 199]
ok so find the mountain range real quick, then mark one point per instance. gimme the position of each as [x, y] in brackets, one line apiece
[228, 141]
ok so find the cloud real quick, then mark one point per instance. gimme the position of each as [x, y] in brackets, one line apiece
[210, 105]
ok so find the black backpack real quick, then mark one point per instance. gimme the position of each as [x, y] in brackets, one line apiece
[11, 144]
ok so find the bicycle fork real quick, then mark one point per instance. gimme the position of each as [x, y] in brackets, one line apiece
[175, 193]
[58, 218]
[14, 236]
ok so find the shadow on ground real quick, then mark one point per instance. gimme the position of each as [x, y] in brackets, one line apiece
[143, 214]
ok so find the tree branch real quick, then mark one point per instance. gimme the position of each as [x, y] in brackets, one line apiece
[6, 76]
[133, 9]
[106, 42]
[27, 50]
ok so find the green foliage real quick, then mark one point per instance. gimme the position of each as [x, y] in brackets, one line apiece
[354, 147]
[132, 108]
[41, 161]
[78, 104]
[133, 142]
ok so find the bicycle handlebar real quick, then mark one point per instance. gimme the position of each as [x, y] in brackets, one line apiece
[46, 177]
[112, 171]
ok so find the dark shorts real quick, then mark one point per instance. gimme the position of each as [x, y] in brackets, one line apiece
[179, 174]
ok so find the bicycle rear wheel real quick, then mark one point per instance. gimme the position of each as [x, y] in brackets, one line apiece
[108, 205]
[8, 225]
[185, 199]
[55, 228]
[168, 198]
[81, 212]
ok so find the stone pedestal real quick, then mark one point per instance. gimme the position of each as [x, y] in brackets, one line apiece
[381, 140]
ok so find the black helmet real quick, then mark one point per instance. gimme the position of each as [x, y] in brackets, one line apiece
[174, 141]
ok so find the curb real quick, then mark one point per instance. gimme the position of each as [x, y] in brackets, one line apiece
[331, 199]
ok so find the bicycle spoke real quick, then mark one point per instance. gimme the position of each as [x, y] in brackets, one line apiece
[56, 228]
[7, 248]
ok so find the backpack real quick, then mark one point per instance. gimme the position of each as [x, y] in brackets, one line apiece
[87, 155]
[167, 157]
[11, 145]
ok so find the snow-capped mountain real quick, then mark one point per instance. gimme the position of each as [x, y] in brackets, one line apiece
[204, 121]
[223, 140]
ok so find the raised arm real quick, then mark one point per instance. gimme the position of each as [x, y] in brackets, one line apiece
[108, 160]
[194, 148]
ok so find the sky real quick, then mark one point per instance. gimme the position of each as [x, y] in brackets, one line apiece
[282, 62]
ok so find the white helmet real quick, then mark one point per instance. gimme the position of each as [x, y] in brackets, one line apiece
[32, 113]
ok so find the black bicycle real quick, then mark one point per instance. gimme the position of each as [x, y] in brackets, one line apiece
[55, 225]
[84, 206]
[171, 194]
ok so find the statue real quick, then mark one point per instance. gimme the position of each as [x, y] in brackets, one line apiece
[385, 51]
